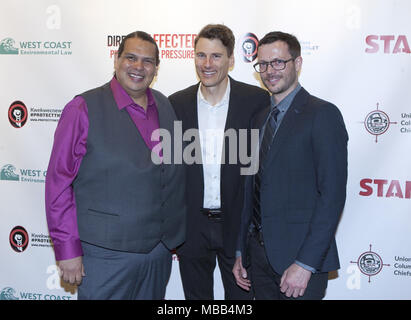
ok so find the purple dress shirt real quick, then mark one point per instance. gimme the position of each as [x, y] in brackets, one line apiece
[69, 148]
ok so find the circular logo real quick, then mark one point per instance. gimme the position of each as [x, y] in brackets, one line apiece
[19, 239]
[377, 122]
[17, 114]
[249, 47]
[370, 263]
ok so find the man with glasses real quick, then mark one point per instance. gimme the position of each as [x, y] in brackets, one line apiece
[293, 204]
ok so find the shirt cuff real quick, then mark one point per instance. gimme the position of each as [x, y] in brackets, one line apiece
[68, 250]
[302, 265]
[237, 253]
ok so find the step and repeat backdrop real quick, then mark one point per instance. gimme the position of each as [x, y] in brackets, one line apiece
[356, 54]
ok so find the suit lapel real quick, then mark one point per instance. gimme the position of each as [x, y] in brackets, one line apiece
[232, 105]
[229, 123]
[190, 116]
[287, 125]
[163, 115]
[260, 119]
[191, 109]
[234, 111]
[166, 121]
[190, 121]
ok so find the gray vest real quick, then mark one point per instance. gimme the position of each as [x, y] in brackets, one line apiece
[124, 201]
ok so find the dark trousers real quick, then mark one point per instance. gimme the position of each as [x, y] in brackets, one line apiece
[117, 275]
[197, 267]
[266, 282]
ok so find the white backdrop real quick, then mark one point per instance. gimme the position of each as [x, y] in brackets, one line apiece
[356, 54]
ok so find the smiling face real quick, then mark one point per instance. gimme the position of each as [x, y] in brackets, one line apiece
[279, 83]
[212, 62]
[136, 67]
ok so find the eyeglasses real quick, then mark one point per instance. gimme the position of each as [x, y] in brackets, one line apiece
[276, 64]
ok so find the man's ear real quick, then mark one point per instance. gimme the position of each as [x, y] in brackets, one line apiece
[298, 63]
[156, 72]
[231, 61]
[115, 60]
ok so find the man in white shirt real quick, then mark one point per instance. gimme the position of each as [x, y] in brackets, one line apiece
[214, 187]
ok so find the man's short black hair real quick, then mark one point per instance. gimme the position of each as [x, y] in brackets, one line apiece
[140, 35]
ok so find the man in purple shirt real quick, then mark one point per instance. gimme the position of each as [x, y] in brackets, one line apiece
[113, 214]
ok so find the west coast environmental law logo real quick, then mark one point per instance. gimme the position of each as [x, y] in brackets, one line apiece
[53, 283]
[9, 173]
[370, 263]
[17, 114]
[19, 239]
[377, 122]
[9, 45]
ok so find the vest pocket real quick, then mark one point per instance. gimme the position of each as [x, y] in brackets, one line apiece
[98, 212]
[101, 228]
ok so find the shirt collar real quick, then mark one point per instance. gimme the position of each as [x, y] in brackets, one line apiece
[286, 102]
[222, 102]
[123, 99]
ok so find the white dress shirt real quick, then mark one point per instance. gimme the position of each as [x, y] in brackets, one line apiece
[211, 125]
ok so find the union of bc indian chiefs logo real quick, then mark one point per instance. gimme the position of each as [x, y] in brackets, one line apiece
[370, 263]
[377, 122]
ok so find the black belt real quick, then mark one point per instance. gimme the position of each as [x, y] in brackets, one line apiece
[257, 234]
[212, 214]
